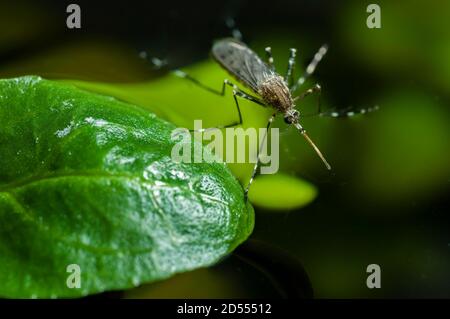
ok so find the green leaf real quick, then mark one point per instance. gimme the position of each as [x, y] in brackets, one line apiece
[88, 180]
[192, 102]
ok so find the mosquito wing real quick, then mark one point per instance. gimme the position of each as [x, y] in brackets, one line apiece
[244, 64]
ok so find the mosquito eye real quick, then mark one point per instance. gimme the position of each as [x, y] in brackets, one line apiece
[288, 120]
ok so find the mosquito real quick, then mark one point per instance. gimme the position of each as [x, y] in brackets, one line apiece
[269, 87]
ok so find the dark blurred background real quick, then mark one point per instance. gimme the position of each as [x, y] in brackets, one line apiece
[386, 201]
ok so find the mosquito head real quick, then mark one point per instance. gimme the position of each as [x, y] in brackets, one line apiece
[291, 116]
[303, 132]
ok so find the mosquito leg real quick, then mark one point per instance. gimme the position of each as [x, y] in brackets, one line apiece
[235, 32]
[289, 77]
[226, 82]
[156, 63]
[186, 76]
[311, 66]
[236, 93]
[269, 57]
[315, 89]
[255, 168]
[348, 112]
[159, 64]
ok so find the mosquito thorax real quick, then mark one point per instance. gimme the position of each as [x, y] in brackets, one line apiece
[275, 93]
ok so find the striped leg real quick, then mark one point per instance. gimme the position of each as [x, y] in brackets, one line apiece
[186, 76]
[235, 32]
[269, 57]
[156, 63]
[236, 93]
[348, 112]
[311, 67]
[289, 77]
[315, 89]
[255, 168]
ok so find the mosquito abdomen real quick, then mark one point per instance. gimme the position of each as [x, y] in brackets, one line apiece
[275, 93]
